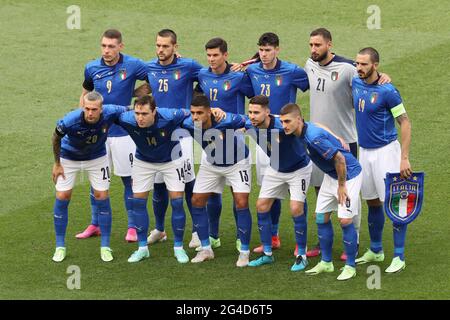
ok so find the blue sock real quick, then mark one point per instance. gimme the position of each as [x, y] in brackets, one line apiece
[60, 219]
[235, 214]
[94, 211]
[301, 233]
[264, 225]
[214, 208]
[399, 240]
[141, 220]
[104, 220]
[200, 220]
[350, 239]
[325, 232]
[376, 225]
[178, 221]
[160, 204]
[127, 197]
[189, 190]
[275, 212]
[244, 224]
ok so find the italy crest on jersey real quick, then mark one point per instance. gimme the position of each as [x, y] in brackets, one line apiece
[177, 74]
[373, 97]
[334, 75]
[227, 85]
[123, 74]
[279, 80]
[404, 198]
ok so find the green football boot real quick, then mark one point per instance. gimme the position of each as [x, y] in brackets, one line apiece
[139, 255]
[215, 243]
[60, 254]
[238, 245]
[370, 256]
[397, 265]
[181, 255]
[348, 272]
[321, 267]
[106, 254]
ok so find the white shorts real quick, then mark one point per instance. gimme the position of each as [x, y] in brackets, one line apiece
[275, 184]
[316, 176]
[375, 163]
[144, 173]
[120, 152]
[212, 178]
[262, 163]
[97, 169]
[188, 161]
[327, 200]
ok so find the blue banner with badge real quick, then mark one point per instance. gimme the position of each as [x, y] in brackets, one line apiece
[404, 197]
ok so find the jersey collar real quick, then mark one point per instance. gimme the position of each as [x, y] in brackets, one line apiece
[118, 62]
[227, 69]
[277, 66]
[329, 62]
[174, 61]
[305, 127]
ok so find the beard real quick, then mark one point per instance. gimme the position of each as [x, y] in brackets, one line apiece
[320, 58]
[366, 75]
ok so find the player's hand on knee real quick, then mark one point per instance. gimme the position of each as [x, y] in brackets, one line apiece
[57, 171]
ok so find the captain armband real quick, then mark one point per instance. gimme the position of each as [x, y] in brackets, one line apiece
[398, 110]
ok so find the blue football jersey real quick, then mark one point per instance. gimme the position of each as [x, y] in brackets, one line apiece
[223, 145]
[323, 146]
[373, 103]
[83, 141]
[287, 152]
[278, 84]
[115, 83]
[226, 91]
[155, 143]
[173, 85]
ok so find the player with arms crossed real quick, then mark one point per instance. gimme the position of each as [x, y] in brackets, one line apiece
[114, 76]
[290, 170]
[377, 107]
[79, 144]
[339, 190]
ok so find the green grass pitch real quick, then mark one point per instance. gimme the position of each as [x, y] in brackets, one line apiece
[41, 68]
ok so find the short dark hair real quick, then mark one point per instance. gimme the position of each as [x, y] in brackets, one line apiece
[269, 39]
[291, 108]
[321, 32]
[261, 100]
[166, 33]
[113, 34]
[143, 100]
[217, 43]
[373, 53]
[200, 100]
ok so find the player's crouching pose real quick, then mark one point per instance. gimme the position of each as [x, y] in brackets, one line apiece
[339, 190]
[79, 144]
[226, 161]
[151, 129]
[290, 170]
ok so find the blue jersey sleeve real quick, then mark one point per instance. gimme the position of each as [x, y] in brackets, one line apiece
[179, 115]
[300, 78]
[88, 83]
[141, 70]
[324, 147]
[61, 129]
[195, 68]
[246, 86]
[393, 98]
[237, 121]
